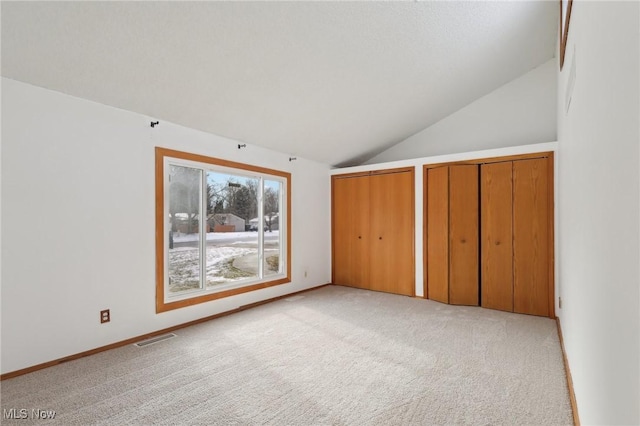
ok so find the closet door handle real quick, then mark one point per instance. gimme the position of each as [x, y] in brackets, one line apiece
[359, 237]
[379, 238]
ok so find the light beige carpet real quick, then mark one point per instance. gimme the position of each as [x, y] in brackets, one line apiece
[334, 355]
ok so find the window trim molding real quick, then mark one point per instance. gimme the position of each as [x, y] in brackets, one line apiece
[160, 154]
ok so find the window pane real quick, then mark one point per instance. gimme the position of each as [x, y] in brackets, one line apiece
[232, 238]
[184, 237]
[212, 229]
[272, 245]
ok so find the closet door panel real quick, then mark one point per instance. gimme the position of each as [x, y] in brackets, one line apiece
[463, 235]
[392, 227]
[341, 229]
[437, 234]
[351, 231]
[496, 236]
[531, 236]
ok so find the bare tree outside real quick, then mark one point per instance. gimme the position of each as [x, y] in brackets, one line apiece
[271, 208]
[231, 225]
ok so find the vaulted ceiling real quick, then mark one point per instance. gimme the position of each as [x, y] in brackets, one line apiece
[333, 82]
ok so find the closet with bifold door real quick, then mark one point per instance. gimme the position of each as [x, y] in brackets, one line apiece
[452, 229]
[516, 222]
[373, 230]
[489, 234]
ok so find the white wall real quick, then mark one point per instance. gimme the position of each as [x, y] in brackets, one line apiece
[521, 112]
[599, 207]
[78, 229]
[417, 164]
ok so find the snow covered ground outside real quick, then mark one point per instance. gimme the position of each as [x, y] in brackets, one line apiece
[225, 236]
[184, 269]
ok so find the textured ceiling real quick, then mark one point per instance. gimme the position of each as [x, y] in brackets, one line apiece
[329, 81]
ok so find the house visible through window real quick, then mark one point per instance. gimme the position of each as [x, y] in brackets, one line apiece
[223, 228]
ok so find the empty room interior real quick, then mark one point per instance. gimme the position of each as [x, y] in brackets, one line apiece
[320, 212]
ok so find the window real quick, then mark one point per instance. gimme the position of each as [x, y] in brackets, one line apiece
[222, 228]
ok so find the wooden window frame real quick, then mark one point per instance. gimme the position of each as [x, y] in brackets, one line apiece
[565, 17]
[161, 304]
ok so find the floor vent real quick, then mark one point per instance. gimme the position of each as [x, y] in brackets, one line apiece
[153, 340]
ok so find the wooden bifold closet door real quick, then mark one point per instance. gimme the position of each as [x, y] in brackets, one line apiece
[373, 231]
[351, 232]
[489, 234]
[452, 234]
[497, 236]
[437, 234]
[531, 237]
[515, 211]
[392, 211]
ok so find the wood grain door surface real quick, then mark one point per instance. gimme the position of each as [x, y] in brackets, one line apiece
[488, 234]
[437, 234]
[496, 211]
[351, 231]
[464, 280]
[531, 237]
[391, 233]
